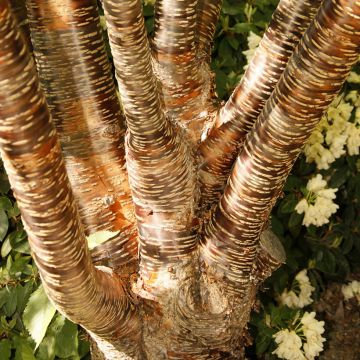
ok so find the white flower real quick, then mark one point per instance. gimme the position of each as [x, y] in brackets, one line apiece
[352, 289]
[303, 343]
[353, 139]
[304, 289]
[335, 134]
[289, 345]
[312, 330]
[318, 205]
[353, 77]
[253, 43]
[354, 97]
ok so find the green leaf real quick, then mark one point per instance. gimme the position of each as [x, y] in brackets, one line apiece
[233, 9]
[5, 203]
[67, 340]
[46, 350]
[23, 349]
[5, 349]
[14, 211]
[276, 226]
[234, 43]
[4, 295]
[18, 241]
[5, 248]
[4, 184]
[37, 315]
[11, 302]
[262, 343]
[294, 223]
[83, 348]
[339, 177]
[326, 261]
[241, 28]
[100, 237]
[292, 183]
[288, 204]
[19, 265]
[4, 225]
[23, 294]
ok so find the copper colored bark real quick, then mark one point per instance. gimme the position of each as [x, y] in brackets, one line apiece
[198, 270]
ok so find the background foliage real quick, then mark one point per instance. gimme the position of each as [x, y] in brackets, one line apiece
[31, 329]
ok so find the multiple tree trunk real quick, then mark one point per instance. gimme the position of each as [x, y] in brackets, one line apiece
[180, 278]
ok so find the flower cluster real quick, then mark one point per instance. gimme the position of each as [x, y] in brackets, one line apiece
[353, 77]
[352, 289]
[336, 134]
[304, 342]
[318, 204]
[253, 43]
[289, 345]
[300, 293]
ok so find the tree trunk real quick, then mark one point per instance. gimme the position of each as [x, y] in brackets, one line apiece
[180, 278]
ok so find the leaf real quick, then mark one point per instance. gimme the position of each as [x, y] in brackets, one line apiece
[83, 348]
[19, 242]
[67, 340]
[37, 315]
[5, 248]
[11, 302]
[276, 226]
[233, 42]
[100, 237]
[326, 261]
[288, 204]
[4, 225]
[4, 184]
[46, 350]
[339, 177]
[294, 223]
[292, 183]
[23, 294]
[23, 349]
[244, 28]
[5, 203]
[5, 349]
[262, 343]
[4, 295]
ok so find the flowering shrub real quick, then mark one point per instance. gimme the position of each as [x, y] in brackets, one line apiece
[300, 293]
[318, 204]
[316, 219]
[351, 290]
[337, 133]
[303, 342]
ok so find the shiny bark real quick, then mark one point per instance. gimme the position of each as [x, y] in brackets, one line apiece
[80, 91]
[32, 157]
[236, 118]
[313, 77]
[199, 271]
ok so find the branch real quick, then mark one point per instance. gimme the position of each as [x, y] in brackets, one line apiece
[270, 256]
[33, 161]
[174, 52]
[75, 75]
[313, 77]
[208, 15]
[158, 159]
[225, 139]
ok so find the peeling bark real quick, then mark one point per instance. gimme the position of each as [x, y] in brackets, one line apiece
[199, 271]
[313, 77]
[32, 158]
[80, 91]
[236, 118]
